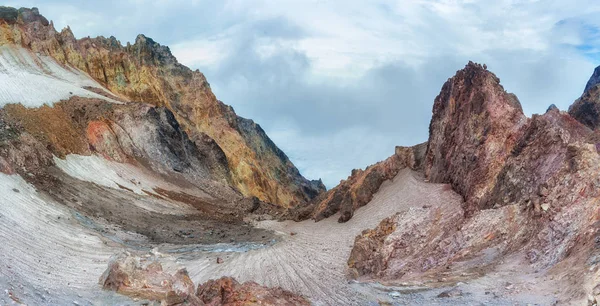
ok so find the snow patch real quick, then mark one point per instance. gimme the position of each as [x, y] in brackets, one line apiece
[41, 246]
[34, 80]
[103, 172]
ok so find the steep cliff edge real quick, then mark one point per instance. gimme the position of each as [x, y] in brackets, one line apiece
[147, 72]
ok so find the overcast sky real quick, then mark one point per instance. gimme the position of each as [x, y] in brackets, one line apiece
[337, 84]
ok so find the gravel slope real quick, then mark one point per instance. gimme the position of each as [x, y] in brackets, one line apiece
[313, 261]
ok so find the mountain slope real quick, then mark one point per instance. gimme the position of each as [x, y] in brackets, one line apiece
[146, 72]
[531, 191]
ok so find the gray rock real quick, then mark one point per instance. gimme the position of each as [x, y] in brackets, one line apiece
[451, 293]
[9, 14]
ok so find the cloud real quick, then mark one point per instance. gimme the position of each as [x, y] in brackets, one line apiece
[337, 85]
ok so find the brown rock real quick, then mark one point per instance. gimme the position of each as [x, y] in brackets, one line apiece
[147, 72]
[138, 278]
[227, 291]
[451, 293]
[359, 188]
[474, 127]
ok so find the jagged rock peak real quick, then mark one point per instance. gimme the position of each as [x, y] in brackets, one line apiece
[474, 126]
[594, 79]
[552, 108]
[587, 108]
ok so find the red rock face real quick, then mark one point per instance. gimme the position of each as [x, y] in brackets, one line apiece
[474, 127]
[227, 291]
[531, 187]
[359, 188]
[103, 140]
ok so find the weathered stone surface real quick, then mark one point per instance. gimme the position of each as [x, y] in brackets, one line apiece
[227, 291]
[145, 279]
[147, 72]
[124, 133]
[358, 189]
[411, 241]
[530, 188]
[475, 125]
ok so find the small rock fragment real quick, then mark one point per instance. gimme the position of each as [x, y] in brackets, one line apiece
[394, 294]
[451, 293]
[545, 206]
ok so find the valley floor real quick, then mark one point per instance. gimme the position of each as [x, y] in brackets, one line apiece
[50, 256]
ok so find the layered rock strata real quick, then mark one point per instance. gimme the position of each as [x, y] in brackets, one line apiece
[147, 72]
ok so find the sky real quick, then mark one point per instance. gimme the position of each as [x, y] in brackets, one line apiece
[338, 84]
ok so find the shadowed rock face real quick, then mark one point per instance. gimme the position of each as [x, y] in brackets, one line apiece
[147, 72]
[474, 126]
[587, 108]
[123, 133]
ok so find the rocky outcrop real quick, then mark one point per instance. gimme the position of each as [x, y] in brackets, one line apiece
[475, 125]
[125, 133]
[526, 184]
[147, 72]
[227, 291]
[358, 189]
[407, 242]
[144, 278]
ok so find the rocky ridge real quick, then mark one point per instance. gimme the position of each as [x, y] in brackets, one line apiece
[147, 72]
[358, 189]
[530, 186]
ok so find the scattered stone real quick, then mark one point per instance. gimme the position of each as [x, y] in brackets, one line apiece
[219, 260]
[394, 294]
[145, 279]
[451, 293]
[293, 233]
[16, 190]
[545, 206]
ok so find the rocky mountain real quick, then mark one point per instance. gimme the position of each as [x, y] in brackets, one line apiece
[147, 72]
[123, 180]
[530, 187]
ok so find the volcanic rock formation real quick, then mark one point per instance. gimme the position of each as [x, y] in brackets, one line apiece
[105, 148]
[147, 72]
[530, 187]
